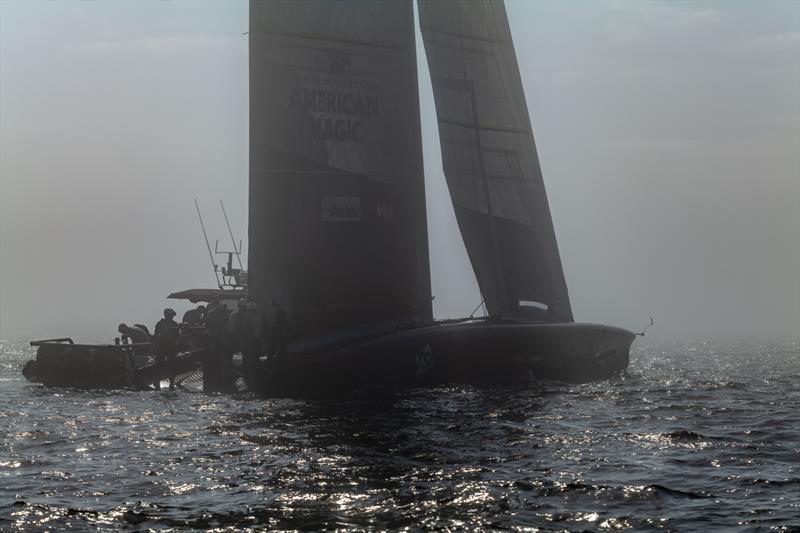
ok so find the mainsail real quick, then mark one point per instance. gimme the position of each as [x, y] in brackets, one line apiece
[337, 223]
[490, 159]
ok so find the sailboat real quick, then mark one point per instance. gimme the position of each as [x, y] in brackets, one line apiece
[337, 214]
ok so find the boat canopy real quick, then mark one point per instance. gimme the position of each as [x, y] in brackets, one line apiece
[207, 295]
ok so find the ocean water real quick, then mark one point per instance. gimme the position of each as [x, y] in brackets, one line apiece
[696, 437]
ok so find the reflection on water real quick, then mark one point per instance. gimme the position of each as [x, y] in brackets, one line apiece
[694, 436]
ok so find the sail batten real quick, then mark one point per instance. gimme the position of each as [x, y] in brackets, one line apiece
[490, 161]
[484, 127]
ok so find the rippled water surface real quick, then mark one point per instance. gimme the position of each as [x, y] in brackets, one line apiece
[695, 437]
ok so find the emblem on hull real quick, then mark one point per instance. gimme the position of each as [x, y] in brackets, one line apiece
[424, 360]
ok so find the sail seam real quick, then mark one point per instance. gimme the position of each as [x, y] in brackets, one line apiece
[470, 37]
[332, 172]
[483, 126]
[521, 179]
[316, 37]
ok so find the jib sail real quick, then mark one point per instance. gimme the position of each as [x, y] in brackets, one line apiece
[490, 159]
[337, 223]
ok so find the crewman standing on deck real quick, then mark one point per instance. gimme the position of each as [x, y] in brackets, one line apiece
[216, 322]
[194, 316]
[142, 348]
[137, 335]
[236, 320]
[210, 310]
[247, 332]
[166, 336]
[278, 329]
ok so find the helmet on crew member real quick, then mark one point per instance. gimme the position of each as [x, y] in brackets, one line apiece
[169, 312]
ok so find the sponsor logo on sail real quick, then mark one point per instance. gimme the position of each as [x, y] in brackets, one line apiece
[385, 209]
[339, 105]
[341, 208]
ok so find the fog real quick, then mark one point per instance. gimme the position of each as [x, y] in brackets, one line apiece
[668, 133]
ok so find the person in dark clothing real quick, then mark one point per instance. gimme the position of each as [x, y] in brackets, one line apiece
[209, 310]
[237, 320]
[136, 334]
[247, 331]
[144, 328]
[278, 329]
[214, 369]
[142, 350]
[267, 320]
[166, 336]
[216, 322]
[139, 336]
[194, 316]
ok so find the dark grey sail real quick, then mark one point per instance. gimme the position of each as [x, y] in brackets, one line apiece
[490, 159]
[337, 223]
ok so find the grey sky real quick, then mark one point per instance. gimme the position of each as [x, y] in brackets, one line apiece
[669, 137]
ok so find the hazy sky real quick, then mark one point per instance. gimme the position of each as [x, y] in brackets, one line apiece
[668, 133]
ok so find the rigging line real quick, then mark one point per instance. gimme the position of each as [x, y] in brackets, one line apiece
[233, 241]
[477, 307]
[205, 236]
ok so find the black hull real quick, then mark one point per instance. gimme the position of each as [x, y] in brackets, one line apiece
[96, 366]
[476, 351]
[80, 366]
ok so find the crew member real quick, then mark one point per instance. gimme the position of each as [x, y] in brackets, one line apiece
[278, 325]
[210, 310]
[194, 317]
[166, 339]
[248, 333]
[139, 336]
[216, 322]
[237, 320]
[142, 350]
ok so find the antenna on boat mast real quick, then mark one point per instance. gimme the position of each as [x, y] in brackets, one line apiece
[645, 328]
[233, 241]
[205, 236]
